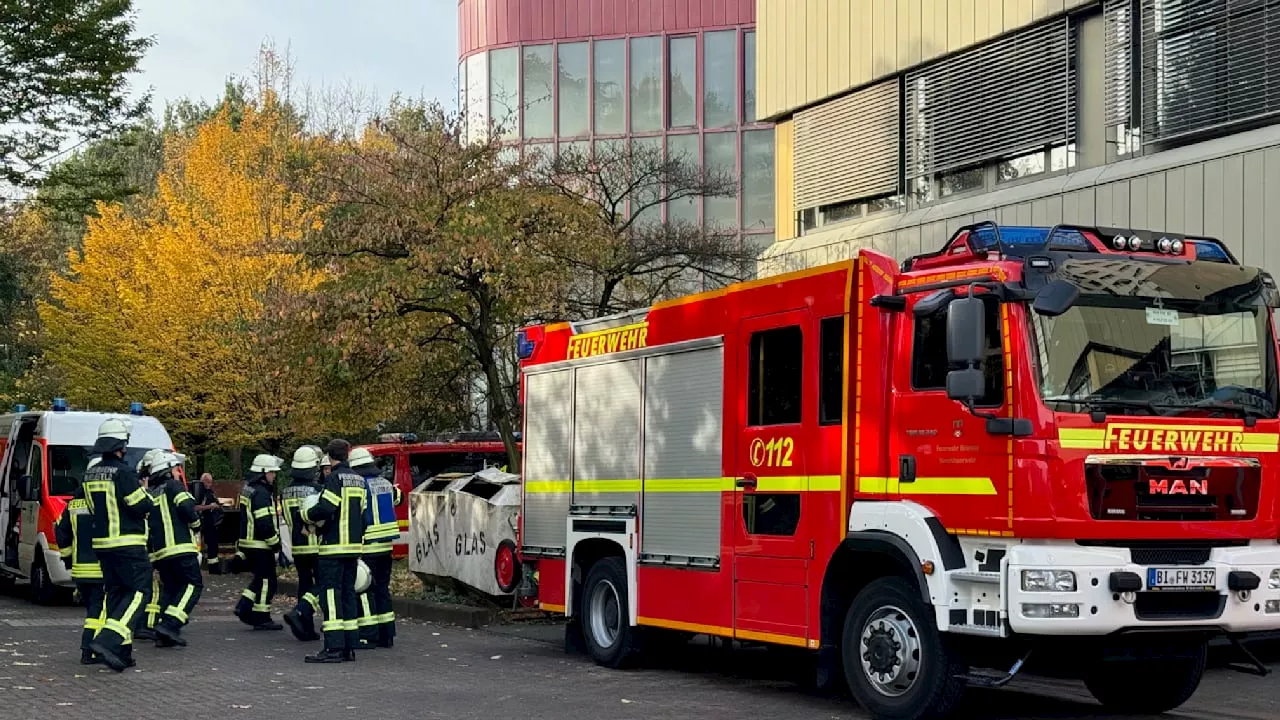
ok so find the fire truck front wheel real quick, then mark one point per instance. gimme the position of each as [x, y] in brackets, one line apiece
[606, 622]
[1148, 687]
[896, 662]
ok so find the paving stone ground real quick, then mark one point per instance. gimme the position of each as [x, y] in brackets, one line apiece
[230, 672]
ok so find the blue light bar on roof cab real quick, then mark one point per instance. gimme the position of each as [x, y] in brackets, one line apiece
[135, 408]
[1210, 251]
[20, 408]
[524, 346]
[59, 404]
[1022, 236]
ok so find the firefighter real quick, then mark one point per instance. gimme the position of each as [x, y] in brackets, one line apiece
[341, 509]
[304, 471]
[377, 617]
[326, 465]
[74, 535]
[259, 542]
[120, 507]
[172, 527]
[147, 631]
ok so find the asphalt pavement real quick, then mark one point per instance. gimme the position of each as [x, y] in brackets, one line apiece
[512, 671]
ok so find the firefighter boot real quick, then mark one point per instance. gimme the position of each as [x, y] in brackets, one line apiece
[169, 634]
[302, 627]
[326, 657]
[88, 658]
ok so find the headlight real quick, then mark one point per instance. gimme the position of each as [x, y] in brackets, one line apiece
[1273, 583]
[1050, 611]
[1048, 581]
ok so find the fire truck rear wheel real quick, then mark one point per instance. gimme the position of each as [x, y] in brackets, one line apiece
[606, 618]
[896, 662]
[1149, 687]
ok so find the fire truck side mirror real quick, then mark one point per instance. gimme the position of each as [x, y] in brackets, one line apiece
[966, 385]
[966, 331]
[1055, 298]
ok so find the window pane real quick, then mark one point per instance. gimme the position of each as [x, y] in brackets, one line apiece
[572, 60]
[462, 89]
[646, 84]
[609, 81]
[719, 80]
[929, 354]
[477, 97]
[757, 179]
[539, 88]
[645, 153]
[749, 77]
[611, 155]
[831, 381]
[577, 148]
[684, 83]
[771, 513]
[538, 155]
[775, 377]
[684, 148]
[504, 92]
[720, 156]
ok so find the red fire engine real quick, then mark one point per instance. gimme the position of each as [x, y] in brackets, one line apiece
[1036, 438]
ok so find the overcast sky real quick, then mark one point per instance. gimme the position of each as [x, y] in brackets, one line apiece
[384, 46]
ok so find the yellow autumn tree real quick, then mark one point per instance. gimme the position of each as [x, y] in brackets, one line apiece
[171, 304]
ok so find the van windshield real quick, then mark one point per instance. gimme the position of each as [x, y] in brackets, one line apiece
[67, 464]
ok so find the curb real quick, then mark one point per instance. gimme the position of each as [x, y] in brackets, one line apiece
[446, 613]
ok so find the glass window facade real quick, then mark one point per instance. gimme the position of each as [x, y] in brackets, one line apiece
[609, 83]
[692, 93]
[719, 78]
[572, 63]
[682, 81]
[504, 92]
[539, 92]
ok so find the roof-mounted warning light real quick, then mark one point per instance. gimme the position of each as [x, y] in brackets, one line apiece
[135, 408]
[19, 408]
[59, 404]
[398, 438]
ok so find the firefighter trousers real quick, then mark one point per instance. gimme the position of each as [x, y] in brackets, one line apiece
[153, 607]
[308, 602]
[254, 607]
[126, 574]
[337, 579]
[377, 620]
[181, 586]
[94, 597]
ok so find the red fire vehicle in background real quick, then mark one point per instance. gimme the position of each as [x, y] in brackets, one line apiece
[1035, 442]
[410, 463]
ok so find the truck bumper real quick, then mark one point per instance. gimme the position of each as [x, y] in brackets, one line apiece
[1113, 593]
[58, 573]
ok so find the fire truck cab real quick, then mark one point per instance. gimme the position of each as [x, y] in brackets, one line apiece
[408, 463]
[1036, 443]
[45, 454]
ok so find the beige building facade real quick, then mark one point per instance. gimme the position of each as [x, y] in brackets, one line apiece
[899, 121]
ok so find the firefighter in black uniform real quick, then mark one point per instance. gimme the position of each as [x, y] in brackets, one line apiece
[259, 542]
[74, 534]
[171, 538]
[377, 621]
[340, 508]
[120, 506]
[304, 471]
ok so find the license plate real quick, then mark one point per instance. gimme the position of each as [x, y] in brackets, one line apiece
[1182, 578]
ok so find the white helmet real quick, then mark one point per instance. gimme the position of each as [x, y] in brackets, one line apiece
[306, 457]
[149, 460]
[166, 459]
[113, 435]
[93, 461]
[326, 461]
[363, 577]
[266, 463]
[360, 456]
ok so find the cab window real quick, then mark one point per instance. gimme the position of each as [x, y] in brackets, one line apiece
[774, 387]
[929, 364]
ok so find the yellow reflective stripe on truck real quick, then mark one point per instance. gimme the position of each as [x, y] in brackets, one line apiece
[811, 483]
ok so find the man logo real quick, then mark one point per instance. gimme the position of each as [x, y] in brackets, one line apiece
[1178, 487]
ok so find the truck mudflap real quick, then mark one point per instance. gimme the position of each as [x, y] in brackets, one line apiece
[1070, 589]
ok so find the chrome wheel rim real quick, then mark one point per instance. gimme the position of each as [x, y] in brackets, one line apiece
[606, 614]
[889, 651]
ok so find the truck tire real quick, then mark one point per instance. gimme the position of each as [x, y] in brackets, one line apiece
[43, 591]
[1148, 687]
[506, 567]
[897, 664]
[606, 623]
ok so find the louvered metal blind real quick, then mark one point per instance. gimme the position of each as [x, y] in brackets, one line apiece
[848, 148]
[1119, 43]
[1004, 98]
[1208, 63]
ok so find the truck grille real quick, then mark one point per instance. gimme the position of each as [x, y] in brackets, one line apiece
[1195, 489]
[1179, 605]
[1170, 555]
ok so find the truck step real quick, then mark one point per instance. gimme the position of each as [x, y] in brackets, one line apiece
[974, 576]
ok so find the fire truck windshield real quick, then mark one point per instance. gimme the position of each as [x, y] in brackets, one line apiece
[1157, 360]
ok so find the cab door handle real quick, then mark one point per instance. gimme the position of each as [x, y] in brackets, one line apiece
[748, 480]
